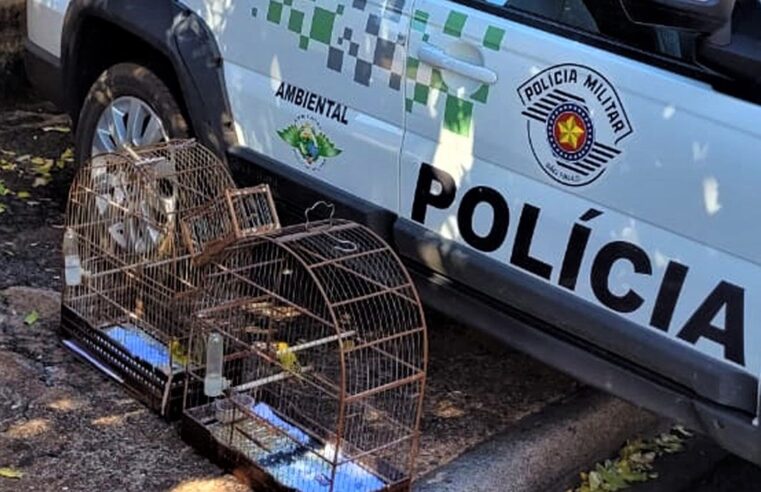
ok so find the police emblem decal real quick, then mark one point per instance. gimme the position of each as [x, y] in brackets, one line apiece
[575, 122]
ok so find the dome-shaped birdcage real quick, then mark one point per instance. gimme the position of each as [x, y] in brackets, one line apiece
[325, 350]
[129, 270]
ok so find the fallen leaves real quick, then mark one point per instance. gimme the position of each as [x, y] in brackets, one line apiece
[40, 167]
[670, 443]
[7, 165]
[11, 473]
[41, 164]
[634, 464]
[6, 191]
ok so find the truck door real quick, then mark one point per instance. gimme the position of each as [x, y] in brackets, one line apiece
[317, 85]
[565, 143]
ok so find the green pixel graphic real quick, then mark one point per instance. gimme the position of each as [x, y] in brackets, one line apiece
[493, 38]
[320, 25]
[366, 43]
[356, 36]
[422, 81]
[455, 23]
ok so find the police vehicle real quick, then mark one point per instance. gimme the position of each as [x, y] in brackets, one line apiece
[580, 178]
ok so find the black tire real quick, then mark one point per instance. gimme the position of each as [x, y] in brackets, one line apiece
[127, 79]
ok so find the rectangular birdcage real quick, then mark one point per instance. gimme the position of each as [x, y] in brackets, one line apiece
[128, 321]
[127, 312]
[324, 354]
[235, 215]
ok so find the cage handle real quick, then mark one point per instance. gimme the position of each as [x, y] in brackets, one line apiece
[323, 203]
[344, 245]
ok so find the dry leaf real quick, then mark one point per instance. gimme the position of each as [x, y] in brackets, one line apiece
[42, 165]
[32, 317]
[634, 463]
[67, 155]
[12, 473]
[59, 129]
[7, 165]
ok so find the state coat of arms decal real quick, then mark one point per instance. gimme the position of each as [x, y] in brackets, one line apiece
[575, 122]
[310, 144]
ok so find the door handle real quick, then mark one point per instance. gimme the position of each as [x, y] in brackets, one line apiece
[436, 57]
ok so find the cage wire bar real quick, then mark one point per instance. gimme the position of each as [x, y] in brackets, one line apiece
[129, 314]
[325, 354]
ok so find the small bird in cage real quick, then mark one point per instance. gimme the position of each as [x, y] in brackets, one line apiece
[287, 358]
[178, 352]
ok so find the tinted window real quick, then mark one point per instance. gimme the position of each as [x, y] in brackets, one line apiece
[606, 18]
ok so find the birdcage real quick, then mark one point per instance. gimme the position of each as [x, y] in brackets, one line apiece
[129, 271]
[310, 345]
[235, 215]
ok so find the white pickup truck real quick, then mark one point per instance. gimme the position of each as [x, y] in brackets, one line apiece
[578, 177]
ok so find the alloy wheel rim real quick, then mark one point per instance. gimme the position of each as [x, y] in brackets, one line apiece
[127, 122]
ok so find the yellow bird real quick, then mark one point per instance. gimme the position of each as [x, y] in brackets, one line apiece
[179, 355]
[287, 358]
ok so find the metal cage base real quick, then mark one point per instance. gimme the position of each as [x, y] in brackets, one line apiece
[160, 392]
[198, 435]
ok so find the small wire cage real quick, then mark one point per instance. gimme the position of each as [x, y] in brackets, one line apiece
[320, 365]
[235, 215]
[126, 302]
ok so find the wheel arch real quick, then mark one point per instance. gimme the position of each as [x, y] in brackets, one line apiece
[165, 37]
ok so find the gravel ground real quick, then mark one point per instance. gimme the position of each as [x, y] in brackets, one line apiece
[68, 428]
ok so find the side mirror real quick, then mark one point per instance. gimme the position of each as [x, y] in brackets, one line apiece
[701, 16]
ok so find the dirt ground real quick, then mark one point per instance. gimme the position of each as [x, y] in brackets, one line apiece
[66, 427]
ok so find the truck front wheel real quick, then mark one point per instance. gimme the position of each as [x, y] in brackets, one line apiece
[127, 106]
